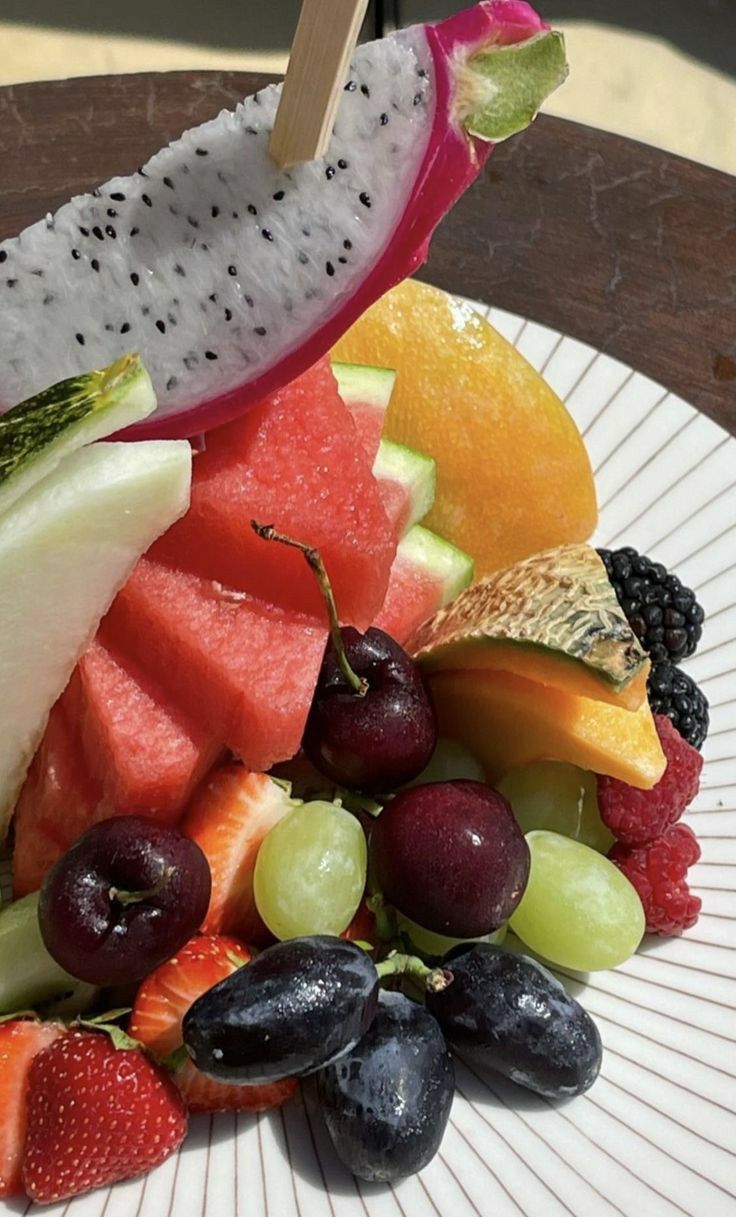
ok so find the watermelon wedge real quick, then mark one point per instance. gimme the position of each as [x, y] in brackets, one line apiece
[426, 575]
[407, 481]
[59, 800]
[296, 462]
[406, 478]
[242, 666]
[146, 753]
[114, 745]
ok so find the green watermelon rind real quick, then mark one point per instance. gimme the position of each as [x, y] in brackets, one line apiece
[413, 470]
[37, 434]
[364, 383]
[451, 568]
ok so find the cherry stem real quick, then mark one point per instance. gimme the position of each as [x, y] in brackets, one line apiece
[397, 964]
[267, 532]
[123, 897]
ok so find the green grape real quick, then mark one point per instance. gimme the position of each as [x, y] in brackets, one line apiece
[310, 871]
[430, 946]
[448, 762]
[559, 797]
[578, 910]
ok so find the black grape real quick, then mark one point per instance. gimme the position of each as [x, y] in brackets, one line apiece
[386, 1103]
[508, 1013]
[299, 1005]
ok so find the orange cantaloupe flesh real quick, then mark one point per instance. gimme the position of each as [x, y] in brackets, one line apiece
[513, 475]
[545, 667]
[552, 618]
[507, 721]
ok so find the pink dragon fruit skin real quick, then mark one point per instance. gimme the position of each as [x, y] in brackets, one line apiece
[172, 261]
[457, 156]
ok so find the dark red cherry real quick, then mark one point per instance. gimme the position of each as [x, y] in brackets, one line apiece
[372, 725]
[378, 739]
[450, 856]
[126, 896]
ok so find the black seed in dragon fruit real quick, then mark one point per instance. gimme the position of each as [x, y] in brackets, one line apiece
[230, 275]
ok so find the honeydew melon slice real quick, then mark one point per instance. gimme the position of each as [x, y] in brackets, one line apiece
[552, 618]
[66, 547]
[28, 975]
[37, 434]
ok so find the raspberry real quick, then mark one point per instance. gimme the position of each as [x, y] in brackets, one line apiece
[658, 871]
[638, 816]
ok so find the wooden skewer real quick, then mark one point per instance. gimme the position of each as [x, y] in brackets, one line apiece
[324, 42]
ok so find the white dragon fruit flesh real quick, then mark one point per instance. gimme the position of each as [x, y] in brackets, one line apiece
[230, 275]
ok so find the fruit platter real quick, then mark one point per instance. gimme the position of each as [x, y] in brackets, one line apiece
[365, 766]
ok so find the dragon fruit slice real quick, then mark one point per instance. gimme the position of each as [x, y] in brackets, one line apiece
[229, 275]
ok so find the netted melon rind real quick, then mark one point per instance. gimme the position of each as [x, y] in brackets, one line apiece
[560, 599]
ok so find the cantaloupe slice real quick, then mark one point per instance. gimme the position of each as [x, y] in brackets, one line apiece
[507, 721]
[552, 618]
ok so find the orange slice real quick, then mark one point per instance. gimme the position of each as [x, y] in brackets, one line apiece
[513, 476]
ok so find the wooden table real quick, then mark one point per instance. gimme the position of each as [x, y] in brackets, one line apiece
[623, 246]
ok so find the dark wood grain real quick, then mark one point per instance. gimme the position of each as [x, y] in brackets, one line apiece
[623, 246]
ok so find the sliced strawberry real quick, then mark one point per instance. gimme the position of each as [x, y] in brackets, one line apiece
[96, 1114]
[20, 1041]
[230, 815]
[204, 1094]
[363, 926]
[158, 1012]
[164, 997]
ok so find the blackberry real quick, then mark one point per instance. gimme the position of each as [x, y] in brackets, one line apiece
[676, 695]
[664, 615]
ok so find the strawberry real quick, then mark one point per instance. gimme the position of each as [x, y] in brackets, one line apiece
[363, 926]
[165, 996]
[96, 1114]
[158, 1012]
[20, 1041]
[205, 1094]
[228, 818]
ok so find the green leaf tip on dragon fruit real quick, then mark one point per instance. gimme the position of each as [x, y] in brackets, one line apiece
[36, 435]
[500, 90]
[232, 276]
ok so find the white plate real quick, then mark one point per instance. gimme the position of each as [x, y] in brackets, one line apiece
[654, 1137]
